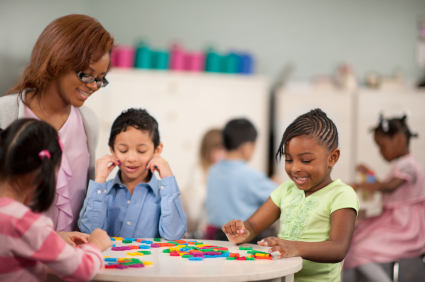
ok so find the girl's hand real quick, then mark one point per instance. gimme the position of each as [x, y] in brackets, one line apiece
[161, 165]
[287, 249]
[235, 231]
[103, 169]
[100, 239]
[74, 238]
[363, 169]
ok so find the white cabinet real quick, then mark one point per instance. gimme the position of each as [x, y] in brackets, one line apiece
[338, 106]
[391, 104]
[354, 115]
[186, 105]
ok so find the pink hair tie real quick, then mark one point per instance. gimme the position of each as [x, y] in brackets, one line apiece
[44, 154]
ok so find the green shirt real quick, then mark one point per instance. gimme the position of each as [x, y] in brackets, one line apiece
[308, 219]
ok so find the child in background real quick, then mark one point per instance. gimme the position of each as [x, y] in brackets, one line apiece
[234, 189]
[30, 154]
[194, 195]
[135, 204]
[317, 215]
[399, 232]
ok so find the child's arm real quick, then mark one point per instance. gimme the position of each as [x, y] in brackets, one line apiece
[173, 220]
[38, 241]
[264, 186]
[239, 232]
[94, 212]
[392, 185]
[331, 251]
[74, 238]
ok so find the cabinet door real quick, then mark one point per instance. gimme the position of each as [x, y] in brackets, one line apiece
[390, 104]
[338, 106]
[186, 106]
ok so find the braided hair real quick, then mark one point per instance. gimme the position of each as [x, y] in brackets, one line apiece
[314, 123]
[390, 127]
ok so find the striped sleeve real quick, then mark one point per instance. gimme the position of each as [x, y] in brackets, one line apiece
[38, 241]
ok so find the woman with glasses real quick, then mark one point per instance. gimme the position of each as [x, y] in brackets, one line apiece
[68, 64]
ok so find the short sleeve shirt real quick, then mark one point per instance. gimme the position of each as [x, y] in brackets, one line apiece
[308, 219]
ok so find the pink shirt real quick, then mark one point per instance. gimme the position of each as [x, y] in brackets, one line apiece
[413, 189]
[72, 175]
[28, 243]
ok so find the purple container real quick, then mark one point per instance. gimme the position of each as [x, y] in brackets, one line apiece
[155, 246]
[120, 266]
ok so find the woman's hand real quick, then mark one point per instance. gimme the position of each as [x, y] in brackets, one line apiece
[287, 249]
[235, 231]
[74, 238]
[161, 165]
[103, 167]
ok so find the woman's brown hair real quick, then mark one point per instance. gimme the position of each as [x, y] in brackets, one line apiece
[68, 43]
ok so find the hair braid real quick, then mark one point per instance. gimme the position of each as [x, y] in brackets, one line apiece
[314, 123]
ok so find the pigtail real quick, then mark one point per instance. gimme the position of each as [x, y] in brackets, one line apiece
[391, 127]
[31, 146]
[44, 194]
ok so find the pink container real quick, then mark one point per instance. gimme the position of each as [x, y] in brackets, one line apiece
[177, 58]
[123, 57]
[195, 62]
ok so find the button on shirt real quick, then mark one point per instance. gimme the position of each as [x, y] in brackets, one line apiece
[235, 191]
[154, 210]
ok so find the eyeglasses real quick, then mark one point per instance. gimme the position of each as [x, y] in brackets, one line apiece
[87, 78]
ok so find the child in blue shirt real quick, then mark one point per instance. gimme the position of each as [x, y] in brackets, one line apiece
[234, 189]
[135, 204]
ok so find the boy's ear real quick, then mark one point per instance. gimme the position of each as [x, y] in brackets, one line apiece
[112, 151]
[334, 157]
[158, 150]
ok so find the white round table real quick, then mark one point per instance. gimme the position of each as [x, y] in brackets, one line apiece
[176, 269]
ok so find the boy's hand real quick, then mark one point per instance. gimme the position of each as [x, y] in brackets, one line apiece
[100, 239]
[287, 249]
[74, 238]
[161, 165]
[235, 231]
[103, 169]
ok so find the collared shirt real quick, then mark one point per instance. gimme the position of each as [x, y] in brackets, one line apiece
[154, 210]
[235, 191]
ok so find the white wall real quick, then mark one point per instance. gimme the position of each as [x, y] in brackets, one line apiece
[313, 34]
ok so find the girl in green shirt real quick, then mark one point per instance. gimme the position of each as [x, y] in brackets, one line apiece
[317, 214]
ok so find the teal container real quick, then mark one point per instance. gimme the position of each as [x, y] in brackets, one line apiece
[213, 61]
[160, 60]
[143, 58]
[230, 63]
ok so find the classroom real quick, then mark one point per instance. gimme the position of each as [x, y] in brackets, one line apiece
[239, 140]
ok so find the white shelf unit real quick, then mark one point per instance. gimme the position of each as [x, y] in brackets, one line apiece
[186, 105]
[354, 114]
[339, 106]
[390, 103]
